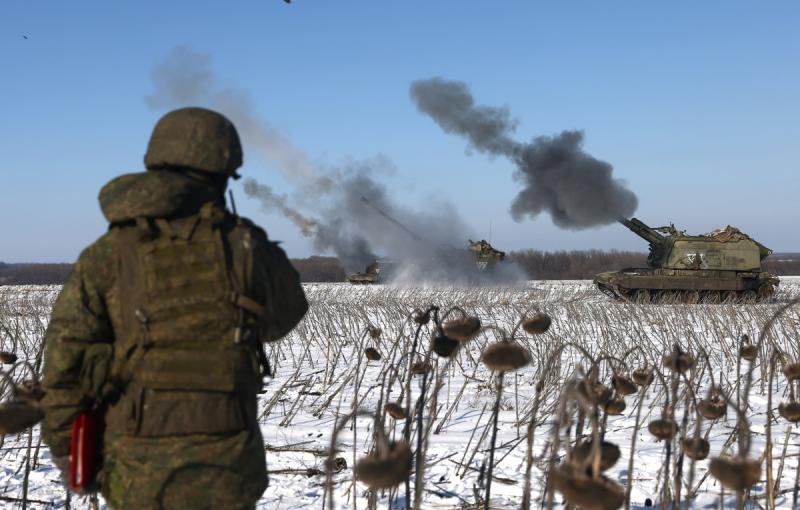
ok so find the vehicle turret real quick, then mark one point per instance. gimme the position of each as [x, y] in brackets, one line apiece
[485, 253]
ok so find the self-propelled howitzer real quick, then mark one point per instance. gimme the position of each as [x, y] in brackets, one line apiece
[479, 259]
[721, 266]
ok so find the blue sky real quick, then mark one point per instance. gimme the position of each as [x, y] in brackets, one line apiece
[696, 104]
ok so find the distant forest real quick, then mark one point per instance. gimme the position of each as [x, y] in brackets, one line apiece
[539, 265]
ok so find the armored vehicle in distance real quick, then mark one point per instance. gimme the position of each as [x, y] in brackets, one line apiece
[723, 266]
[482, 252]
[366, 277]
[378, 272]
[485, 254]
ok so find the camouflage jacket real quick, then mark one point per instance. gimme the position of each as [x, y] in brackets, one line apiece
[92, 306]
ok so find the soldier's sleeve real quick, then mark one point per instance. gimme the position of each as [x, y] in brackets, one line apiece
[284, 295]
[79, 318]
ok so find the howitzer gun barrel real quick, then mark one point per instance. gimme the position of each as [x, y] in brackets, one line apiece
[392, 220]
[642, 230]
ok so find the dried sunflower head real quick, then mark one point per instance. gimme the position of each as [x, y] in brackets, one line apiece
[663, 428]
[385, 470]
[372, 354]
[712, 407]
[678, 361]
[615, 406]
[420, 367]
[790, 411]
[748, 352]
[623, 385]
[7, 358]
[643, 376]
[735, 473]
[421, 317]
[695, 448]
[505, 356]
[18, 416]
[609, 454]
[337, 465]
[462, 330]
[792, 371]
[584, 491]
[444, 346]
[537, 324]
[594, 392]
[396, 411]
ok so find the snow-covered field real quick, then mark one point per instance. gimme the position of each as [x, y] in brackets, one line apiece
[321, 373]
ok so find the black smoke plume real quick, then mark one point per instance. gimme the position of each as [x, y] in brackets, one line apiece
[577, 190]
[326, 204]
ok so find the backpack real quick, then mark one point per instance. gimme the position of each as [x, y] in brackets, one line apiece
[187, 356]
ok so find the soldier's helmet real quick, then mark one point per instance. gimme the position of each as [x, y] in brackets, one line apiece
[195, 138]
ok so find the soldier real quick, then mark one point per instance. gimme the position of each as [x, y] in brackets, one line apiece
[160, 329]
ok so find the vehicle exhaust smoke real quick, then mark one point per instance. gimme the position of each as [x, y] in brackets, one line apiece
[577, 190]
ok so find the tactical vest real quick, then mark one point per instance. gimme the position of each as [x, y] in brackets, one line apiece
[188, 358]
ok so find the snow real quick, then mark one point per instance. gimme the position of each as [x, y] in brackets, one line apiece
[320, 372]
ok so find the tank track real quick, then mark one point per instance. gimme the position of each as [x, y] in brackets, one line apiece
[688, 297]
[361, 282]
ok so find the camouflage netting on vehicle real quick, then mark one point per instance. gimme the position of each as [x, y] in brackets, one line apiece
[731, 234]
[727, 234]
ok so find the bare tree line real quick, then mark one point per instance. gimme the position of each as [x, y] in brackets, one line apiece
[537, 264]
[34, 274]
[575, 264]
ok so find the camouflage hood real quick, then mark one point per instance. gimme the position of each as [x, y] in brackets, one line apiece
[154, 195]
